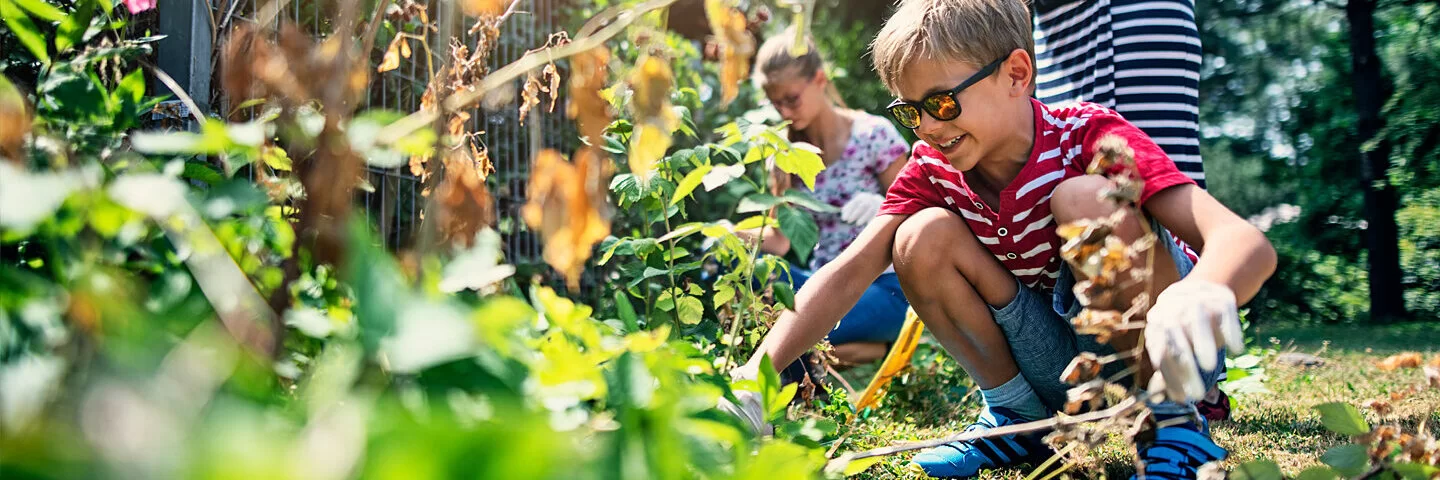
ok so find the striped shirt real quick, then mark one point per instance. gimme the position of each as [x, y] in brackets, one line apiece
[1021, 234]
[1138, 57]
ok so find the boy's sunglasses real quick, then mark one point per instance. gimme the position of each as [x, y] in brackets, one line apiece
[941, 105]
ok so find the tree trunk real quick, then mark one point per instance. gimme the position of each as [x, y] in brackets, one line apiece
[1387, 302]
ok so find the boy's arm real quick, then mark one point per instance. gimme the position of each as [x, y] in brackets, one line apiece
[829, 294]
[1233, 252]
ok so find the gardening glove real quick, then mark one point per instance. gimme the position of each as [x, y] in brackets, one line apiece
[1183, 333]
[861, 208]
[749, 409]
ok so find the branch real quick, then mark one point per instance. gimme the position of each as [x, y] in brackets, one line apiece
[531, 61]
[994, 432]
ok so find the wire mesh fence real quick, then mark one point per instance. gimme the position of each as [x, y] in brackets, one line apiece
[394, 198]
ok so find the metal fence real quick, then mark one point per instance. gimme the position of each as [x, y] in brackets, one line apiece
[394, 198]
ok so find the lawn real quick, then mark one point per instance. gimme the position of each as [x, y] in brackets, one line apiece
[1281, 426]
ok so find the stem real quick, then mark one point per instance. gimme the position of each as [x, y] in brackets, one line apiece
[531, 61]
[1050, 461]
[1027, 427]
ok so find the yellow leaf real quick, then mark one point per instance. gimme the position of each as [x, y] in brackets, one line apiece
[405, 48]
[14, 121]
[647, 145]
[476, 8]
[736, 46]
[895, 362]
[392, 57]
[857, 466]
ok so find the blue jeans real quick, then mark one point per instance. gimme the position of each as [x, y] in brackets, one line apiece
[877, 317]
[1037, 327]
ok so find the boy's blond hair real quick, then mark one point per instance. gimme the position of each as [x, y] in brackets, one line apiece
[971, 31]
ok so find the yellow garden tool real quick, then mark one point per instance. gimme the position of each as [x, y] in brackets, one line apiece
[895, 361]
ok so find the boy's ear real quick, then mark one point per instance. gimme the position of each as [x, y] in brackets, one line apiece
[1019, 72]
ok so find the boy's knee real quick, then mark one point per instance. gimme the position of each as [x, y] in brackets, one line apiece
[925, 235]
[1078, 198]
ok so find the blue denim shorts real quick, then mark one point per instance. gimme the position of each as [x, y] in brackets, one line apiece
[1037, 327]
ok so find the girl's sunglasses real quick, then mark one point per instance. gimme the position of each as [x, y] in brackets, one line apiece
[941, 105]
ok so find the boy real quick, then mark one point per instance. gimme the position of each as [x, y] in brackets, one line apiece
[970, 224]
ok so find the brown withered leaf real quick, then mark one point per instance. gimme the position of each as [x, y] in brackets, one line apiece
[1083, 368]
[734, 43]
[587, 107]
[1432, 376]
[465, 203]
[553, 88]
[391, 60]
[564, 205]
[1401, 360]
[1101, 323]
[529, 95]
[1111, 151]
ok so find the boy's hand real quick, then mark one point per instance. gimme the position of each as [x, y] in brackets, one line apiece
[861, 208]
[1188, 323]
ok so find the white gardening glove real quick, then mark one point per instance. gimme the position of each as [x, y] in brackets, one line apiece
[1188, 323]
[749, 410]
[861, 208]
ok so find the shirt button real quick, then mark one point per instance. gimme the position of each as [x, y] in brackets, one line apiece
[979, 206]
[1010, 255]
[1002, 232]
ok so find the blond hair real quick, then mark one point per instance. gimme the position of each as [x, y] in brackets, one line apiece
[975, 32]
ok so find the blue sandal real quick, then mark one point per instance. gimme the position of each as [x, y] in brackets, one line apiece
[966, 459]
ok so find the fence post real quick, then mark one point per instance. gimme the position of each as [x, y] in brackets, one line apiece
[185, 52]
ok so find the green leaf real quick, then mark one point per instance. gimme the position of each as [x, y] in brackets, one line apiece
[801, 198]
[785, 293]
[71, 32]
[723, 294]
[689, 183]
[276, 158]
[1257, 470]
[800, 228]
[1342, 418]
[1318, 472]
[25, 31]
[800, 162]
[689, 310]
[627, 311]
[777, 404]
[202, 172]
[757, 202]
[1415, 471]
[1350, 460]
[42, 10]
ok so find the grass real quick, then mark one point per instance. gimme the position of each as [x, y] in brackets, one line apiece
[1282, 426]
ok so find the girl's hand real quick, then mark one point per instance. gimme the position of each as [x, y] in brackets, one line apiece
[861, 208]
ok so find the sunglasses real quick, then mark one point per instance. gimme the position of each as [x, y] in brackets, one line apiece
[942, 106]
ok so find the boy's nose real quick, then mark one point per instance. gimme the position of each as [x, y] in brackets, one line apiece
[929, 127]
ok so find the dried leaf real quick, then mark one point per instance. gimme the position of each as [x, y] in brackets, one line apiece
[466, 205]
[553, 76]
[564, 205]
[735, 45]
[529, 96]
[392, 57]
[1083, 368]
[1432, 376]
[587, 107]
[1401, 360]
[404, 47]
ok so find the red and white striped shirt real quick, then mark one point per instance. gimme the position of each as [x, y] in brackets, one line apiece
[1022, 233]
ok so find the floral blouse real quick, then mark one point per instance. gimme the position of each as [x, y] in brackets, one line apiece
[874, 145]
